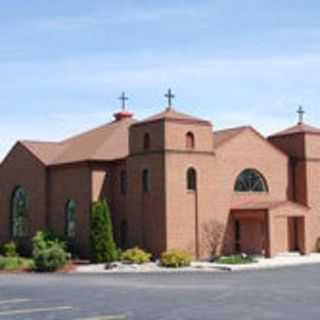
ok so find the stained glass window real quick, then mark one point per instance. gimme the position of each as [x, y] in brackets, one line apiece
[71, 219]
[19, 213]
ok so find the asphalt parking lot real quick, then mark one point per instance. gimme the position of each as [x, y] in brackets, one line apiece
[288, 293]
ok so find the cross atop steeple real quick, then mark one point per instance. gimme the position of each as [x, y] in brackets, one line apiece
[123, 99]
[170, 96]
[301, 113]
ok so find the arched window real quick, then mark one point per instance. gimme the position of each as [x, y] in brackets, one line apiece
[123, 182]
[146, 141]
[190, 143]
[19, 213]
[250, 180]
[191, 179]
[145, 180]
[71, 219]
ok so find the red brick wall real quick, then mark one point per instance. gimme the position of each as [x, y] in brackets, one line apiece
[21, 168]
[65, 183]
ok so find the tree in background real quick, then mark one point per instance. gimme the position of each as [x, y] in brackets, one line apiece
[103, 247]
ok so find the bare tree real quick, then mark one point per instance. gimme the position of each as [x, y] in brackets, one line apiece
[214, 234]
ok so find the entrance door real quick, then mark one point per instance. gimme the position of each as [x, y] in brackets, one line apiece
[250, 236]
[293, 234]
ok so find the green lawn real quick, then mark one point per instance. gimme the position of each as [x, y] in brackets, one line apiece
[236, 259]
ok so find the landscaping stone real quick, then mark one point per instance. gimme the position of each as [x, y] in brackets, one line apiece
[283, 260]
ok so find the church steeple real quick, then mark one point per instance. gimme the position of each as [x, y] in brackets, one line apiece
[123, 114]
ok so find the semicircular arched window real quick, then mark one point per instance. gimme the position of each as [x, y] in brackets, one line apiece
[71, 219]
[250, 180]
[19, 213]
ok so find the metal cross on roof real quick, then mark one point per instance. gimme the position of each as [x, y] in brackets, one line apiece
[170, 96]
[301, 113]
[123, 99]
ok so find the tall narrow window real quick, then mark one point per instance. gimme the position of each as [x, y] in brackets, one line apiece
[145, 180]
[71, 219]
[146, 141]
[191, 179]
[19, 213]
[190, 143]
[123, 182]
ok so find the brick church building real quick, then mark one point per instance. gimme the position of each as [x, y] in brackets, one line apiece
[165, 178]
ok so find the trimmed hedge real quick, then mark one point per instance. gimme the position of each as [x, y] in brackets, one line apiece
[135, 256]
[103, 247]
[175, 259]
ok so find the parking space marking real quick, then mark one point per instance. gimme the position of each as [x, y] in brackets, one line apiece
[13, 301]
[34, 310]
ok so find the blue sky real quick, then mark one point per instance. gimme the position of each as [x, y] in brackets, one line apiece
[64, 63]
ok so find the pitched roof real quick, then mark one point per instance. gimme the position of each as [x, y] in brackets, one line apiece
[173, 115]
[222, 136]
[101, 143]
[299, 128]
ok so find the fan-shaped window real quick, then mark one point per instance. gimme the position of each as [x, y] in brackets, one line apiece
[123, 182]
[146, 141]
[146, 180]
[191, 179]
[250, 180]
[71, 219]
[190, 144]
[19, 213]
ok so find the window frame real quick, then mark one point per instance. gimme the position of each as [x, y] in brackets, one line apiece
[71, 204]
[250, 186]
[190, 140]
[146, 183]
[192, 179]
[23, 232]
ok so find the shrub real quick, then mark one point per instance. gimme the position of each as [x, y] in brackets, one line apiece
[48, 253]
[10, 249]
[15, 263]
[135, 255]
[103, 247]
[175, 259]
[236, 259]
[214, 236]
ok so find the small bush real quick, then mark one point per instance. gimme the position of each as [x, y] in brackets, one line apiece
[48, 253]
[175, 259]
[103, 247]
[136, 256]
[236, 259]
[10, 249]
[15, 263]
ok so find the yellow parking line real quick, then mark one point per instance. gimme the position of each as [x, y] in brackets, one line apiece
[11, 301]
[35, 310]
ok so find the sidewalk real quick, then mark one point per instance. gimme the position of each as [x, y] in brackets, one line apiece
[283, 260]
